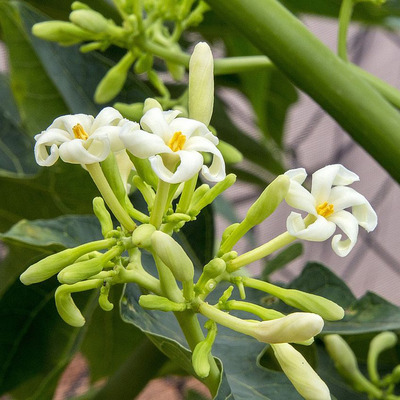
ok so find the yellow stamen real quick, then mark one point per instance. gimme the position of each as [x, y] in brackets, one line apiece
[325, 209]
[79, 132]
[177, 141]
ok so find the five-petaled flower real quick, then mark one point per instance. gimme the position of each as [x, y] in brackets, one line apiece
[327, 202]
[173, 146]
[80, 138]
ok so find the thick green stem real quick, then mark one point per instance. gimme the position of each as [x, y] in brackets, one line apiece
[346, 10]
[158, 210]
[316, 70]
[109, 197]
[260, 252]
[187, 194]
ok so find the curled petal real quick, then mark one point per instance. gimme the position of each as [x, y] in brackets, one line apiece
[366, 216]
[349, 225]
[318, 231]
[107, 116]
[300, 198]
[141, 143]
[190, 165]
[154, 121]
[325, 178]
[298, 175]
[189, 128]
[44, 157]
[84, 152]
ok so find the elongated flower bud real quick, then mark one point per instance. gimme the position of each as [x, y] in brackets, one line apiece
[201, 83]
[104, 303]
[66, 307]
[144, 63]
[113, 80]
[80, 271]
[153, 302]
[59, 31]
[132, 111]
[268, 201]
[141, 236]
[102, 215]
[173, 256]
[303, 377]
[231, 154]
[201, 354]
[54, 263]
[90, 20]
[296, 327]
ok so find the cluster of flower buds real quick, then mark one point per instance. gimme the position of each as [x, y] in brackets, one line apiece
[162, 156]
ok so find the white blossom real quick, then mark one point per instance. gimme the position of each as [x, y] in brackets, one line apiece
[80, 138]
[174, 146]
[329, 198]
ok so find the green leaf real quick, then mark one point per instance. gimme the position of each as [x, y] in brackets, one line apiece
[37, 98]
[16, 155]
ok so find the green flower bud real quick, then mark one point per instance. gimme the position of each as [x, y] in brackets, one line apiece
[199, 193]
[90, 20]
[104, 303]
[66, 307]
[77, 5]
[268, 201]
[153, 302]
[214, 268]
[173, 256]
[150, 103]
[177, 71]
[102, 215]
[132, 111]
[227, 232]
[231, 154]
[54, 263]
[141, 236]
[381, 342]
[80, 271]
[114, 79]
[300, 373]
[144, 63]
[201, 83]
[59, 31]
[202, 351]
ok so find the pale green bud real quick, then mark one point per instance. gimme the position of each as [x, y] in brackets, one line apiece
[327, 309]
[90, 20]
[54, 263]
[201, 83]
[141, 236]
[77, 5]
[144, 63]
[113, 80]
[177, 71]
[144, 170]
[268, 201]
[183, 111]
[132, 111]
[306, 381]
[231, 154]
[66, 307]
[227, 232]
[214, 268]
[104, 303]
[173, 256]
[59, 31]
[295, 327]
[102, 215]
[200, 192]
[153, 302]
[395, 376]
[342, 355]
[80, 271]
[150, 103]
[202, 351]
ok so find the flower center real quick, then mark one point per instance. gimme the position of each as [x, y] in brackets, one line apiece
[325, 209]
[79, 132]
[177, 141]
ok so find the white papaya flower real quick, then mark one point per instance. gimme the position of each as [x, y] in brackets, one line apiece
[329, 198]
[174, 146]
[80, 138]
[300, 373]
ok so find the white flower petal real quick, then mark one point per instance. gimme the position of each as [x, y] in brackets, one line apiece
[67, 122]
[44, 157]
[84, 152]
[52, 136]
[349, 225]
[300, 198]
[325, 178]
[190, 164]
[154, 121]
[318, 231]
[107, 116]
[125, 166]
[170, 115]
[113, 135]
[141, 143]
[366, 216]
[216, 171]
[188, 127]
[298, 175]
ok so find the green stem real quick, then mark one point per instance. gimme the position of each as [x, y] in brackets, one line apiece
[158, 210]
[100, 180]
[346, 11]
[187, 194]
[142, 278]
[260, 252]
